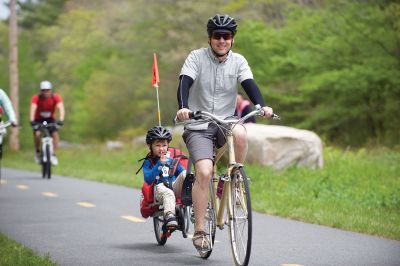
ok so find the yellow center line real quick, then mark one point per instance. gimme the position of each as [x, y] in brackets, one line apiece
[3, 181]
[133, 219]
[22, 187]
[86, 204]
[50, 194]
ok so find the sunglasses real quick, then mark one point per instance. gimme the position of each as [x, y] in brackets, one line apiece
[218, 35]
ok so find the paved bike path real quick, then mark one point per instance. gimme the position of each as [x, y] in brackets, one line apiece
[81, 222]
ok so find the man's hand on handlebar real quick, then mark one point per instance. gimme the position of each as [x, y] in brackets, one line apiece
[60, 123]
[267, 112]
[34, 125]
[183, 114]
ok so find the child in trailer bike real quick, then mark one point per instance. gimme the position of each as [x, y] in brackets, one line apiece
[158, 168]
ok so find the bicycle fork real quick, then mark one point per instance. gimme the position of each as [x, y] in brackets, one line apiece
[46, 141]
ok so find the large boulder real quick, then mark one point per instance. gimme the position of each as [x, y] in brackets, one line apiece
[280, 146]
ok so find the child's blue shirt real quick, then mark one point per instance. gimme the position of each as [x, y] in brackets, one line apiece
[152, 170]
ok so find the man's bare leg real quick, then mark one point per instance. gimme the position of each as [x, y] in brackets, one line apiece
[240, 135]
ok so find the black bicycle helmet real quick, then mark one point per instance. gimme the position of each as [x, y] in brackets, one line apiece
[221, 22]
[157, 133]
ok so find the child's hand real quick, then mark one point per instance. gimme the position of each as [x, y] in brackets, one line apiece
[163, 158]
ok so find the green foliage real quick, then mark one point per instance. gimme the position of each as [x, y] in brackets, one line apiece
[333, 70]
[327, 66]
[39, 13]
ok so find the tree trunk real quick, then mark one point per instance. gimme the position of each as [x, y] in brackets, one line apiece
[14, 138]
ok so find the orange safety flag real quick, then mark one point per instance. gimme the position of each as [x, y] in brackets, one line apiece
[156, 78]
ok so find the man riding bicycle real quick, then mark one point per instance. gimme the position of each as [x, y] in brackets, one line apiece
[43, 107]
[208, 82]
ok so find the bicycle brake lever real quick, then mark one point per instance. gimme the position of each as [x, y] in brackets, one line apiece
[275, 117]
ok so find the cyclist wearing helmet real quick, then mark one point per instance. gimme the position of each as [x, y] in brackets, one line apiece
[43, 107]
[208, 82]
[157, 162]
[6, 106]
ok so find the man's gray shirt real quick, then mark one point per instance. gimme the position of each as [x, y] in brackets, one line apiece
[215, 83]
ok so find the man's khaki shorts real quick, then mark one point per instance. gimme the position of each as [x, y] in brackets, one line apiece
[201, 143]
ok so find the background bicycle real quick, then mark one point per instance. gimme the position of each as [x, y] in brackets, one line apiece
[3, 133]
[229, 194]
[47, 148]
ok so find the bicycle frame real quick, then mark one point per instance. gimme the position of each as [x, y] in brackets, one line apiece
[46, 140]
[47, 147]
[226, 197]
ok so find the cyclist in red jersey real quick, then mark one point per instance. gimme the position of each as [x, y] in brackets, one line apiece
[43, 108]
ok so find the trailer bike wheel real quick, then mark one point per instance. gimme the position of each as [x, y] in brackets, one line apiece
[241, 217]
[184, 220]
[161, 237]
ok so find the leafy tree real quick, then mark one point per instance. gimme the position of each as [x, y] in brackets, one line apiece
[39, 13]
[334, 70]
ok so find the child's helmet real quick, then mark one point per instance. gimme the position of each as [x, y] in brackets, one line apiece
[157, 133]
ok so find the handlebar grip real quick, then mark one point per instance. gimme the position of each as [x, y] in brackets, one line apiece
[195, 115]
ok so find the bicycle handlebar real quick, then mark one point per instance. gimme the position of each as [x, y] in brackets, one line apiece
[203, 114]
[46, 124]
[6, 124]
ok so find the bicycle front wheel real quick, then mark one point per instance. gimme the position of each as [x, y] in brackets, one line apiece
[241, 217]
[48, 162]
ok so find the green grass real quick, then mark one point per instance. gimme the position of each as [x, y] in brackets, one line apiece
[14, 254]
[356, 190]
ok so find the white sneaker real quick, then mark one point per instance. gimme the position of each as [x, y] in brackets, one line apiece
[37, 157]
[170, 219]
[53, 160]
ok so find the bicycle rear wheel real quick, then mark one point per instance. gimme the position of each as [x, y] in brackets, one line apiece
[161, 237]
[210, 223]
[241, 220]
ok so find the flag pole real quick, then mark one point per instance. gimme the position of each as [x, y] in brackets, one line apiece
[158, 107]
[155, 82]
